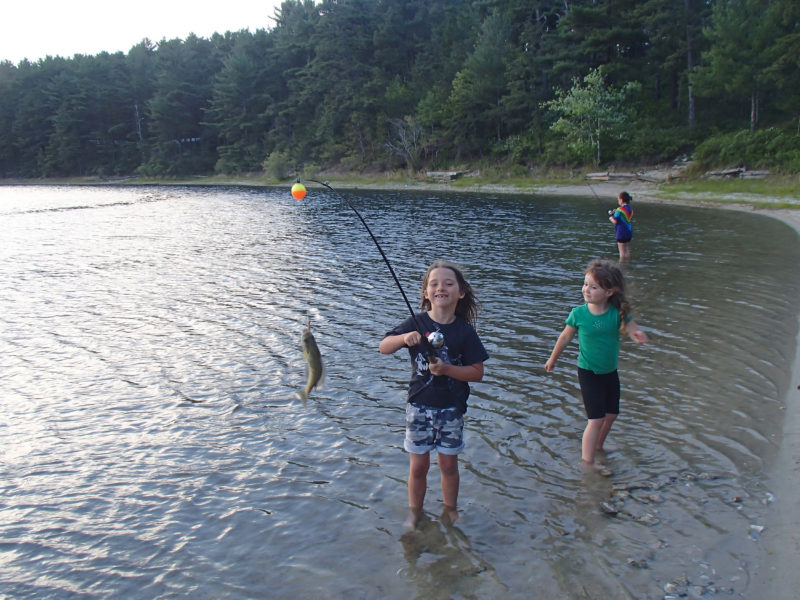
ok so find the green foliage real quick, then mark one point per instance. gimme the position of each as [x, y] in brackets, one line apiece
[309, 170]
[476, 113]
[753, 57]
[767, 148]
[590, 113]
[418, 84]
[242, 104]
[278, 165]
[518, 149]
[559, 153]
[654, 145]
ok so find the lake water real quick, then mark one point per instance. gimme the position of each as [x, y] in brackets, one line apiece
[153, 445]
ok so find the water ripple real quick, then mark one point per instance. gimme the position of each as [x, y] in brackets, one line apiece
[154, 445]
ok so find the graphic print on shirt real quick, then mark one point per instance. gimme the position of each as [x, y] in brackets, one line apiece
[421, 364]
[626, 213]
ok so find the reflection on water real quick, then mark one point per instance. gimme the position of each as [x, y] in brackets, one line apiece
[153, 445]
[442, 564]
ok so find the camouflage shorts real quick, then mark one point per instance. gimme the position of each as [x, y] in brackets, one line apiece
[434, 428]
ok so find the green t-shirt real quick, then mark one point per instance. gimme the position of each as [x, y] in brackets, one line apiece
[598, 338]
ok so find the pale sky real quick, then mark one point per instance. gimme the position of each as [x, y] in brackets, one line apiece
[33, 29]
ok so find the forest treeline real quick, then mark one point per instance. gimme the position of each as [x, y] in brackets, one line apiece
[421, 84]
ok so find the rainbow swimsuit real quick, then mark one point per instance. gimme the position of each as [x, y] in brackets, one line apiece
[624, 224]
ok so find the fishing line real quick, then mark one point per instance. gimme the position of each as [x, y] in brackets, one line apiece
[438, 339]
[610, 212]
[591, 188]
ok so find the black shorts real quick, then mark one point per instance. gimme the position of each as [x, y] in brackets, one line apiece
[624, 241]
[600, 393]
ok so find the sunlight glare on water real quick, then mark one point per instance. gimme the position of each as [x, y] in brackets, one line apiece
[154, 445]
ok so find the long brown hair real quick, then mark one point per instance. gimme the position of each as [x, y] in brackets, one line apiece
[609, 276]
[467, 307]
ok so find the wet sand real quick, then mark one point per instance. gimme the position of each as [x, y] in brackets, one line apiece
[778, 575]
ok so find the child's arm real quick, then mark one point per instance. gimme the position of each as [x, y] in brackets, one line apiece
[563, 339]
[393, 343]
[472, 372]
[636, 334]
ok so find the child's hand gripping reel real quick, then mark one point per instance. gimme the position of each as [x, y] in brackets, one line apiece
[435, 341]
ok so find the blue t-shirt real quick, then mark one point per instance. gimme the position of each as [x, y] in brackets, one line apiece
[462, 346]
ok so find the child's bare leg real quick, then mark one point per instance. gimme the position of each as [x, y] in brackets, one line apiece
[418, 479]
[608, 421]
[589, 442]
[417, 486]
[448, 465]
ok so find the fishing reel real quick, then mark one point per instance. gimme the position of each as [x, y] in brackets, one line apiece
[435, 339]
[611, 212]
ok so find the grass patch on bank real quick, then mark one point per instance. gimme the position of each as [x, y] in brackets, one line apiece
[773, 186]
[490, 175]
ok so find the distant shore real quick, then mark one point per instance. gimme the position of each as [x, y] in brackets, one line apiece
[647, 184]
[653, 186]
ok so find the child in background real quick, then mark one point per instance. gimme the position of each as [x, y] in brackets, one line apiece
[438, 390]
[599, 323]
[622, 218]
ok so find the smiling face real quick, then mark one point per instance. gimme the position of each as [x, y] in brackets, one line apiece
[442, 289]
[594, 293]
[450, 285]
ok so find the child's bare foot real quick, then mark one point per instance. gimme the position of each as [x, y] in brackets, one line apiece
[603, 470]
[412, 520]
[449, 515]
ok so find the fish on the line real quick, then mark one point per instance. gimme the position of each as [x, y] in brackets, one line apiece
[313, 358]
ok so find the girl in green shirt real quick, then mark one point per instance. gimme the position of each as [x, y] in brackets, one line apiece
[599, 324]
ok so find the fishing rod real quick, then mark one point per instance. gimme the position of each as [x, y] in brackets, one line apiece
[591, 188]
[434, 339]
[610, 212]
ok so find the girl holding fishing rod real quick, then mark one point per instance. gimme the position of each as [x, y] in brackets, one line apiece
[443, 361]
[439, 388]
[622, 218]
